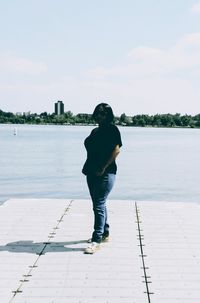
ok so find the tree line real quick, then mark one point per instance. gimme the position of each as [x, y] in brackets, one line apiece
[68, 118]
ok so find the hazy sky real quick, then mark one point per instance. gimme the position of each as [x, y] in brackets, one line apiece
[140, 56]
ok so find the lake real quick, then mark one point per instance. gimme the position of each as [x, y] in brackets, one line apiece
[45, 161]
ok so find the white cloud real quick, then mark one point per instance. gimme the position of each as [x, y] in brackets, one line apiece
[148, 80]
[153, 62]
[153, 80]
[196, 8]
[10, 63]
[189, 40]
[142, 53]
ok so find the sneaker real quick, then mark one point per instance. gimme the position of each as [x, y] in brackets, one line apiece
[105, 238]
[92, 248]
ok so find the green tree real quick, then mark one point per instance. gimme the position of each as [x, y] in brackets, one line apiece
[177, 119]
[124, 120]
[141, 122]
[156, 120]
[186, 120]
[197, 120]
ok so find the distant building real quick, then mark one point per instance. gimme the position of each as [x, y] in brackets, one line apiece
[27, 113]
[23, 113]
[59, 108]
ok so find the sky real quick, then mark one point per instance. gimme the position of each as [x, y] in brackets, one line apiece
[141, 57]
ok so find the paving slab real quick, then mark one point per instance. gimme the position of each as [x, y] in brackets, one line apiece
[171, 238]
[152, 256]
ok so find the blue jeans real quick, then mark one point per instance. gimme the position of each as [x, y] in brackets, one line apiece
[99, 188]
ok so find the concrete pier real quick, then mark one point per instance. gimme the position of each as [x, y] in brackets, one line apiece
[153, 255]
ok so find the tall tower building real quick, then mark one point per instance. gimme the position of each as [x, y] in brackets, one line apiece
[59, 108]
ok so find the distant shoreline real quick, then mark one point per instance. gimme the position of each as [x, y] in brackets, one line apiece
[68, 118]
[84, 124]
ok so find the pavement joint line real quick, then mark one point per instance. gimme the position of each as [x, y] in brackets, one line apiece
[29, 273]
[142, 255]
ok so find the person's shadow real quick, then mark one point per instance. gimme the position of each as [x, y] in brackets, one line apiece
[41, 248]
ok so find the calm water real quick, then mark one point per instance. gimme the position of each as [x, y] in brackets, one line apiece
[46, 162]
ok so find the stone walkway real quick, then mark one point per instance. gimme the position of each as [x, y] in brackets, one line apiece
[153, 255]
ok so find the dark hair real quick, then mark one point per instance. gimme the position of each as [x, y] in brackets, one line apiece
[106, 108]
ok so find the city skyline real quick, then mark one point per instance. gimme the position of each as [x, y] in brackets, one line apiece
[140, 57]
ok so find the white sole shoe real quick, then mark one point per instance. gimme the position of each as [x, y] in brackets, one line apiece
[92, 248]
